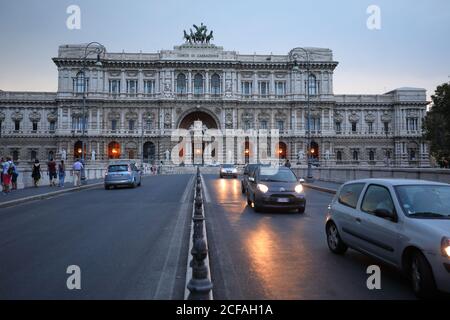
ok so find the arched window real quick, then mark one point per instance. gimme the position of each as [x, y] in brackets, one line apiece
[355, 155]
[215, 84]
[181, 83]
[33, 155]
[371, 155]
[312, 85]
[80, 83]
[15, 155]
[339, 156]
[198, 84]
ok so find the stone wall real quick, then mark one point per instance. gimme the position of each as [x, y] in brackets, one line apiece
[343, 174]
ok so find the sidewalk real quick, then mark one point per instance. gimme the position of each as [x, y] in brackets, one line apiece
[31, 192]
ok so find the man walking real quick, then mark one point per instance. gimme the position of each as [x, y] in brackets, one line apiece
[52, 172]
[77, 167]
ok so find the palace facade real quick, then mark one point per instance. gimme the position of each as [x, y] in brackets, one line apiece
[135, 100]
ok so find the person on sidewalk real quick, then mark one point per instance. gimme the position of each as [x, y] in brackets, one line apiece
[2, 160]
[61, 173]
[14, 177]
[36, 172]
[77, 167]
[52, 176]
[8, 170]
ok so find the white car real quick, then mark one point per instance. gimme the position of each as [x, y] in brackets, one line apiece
[405, 223]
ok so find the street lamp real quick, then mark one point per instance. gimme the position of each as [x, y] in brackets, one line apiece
[98, 49]
[308, 108]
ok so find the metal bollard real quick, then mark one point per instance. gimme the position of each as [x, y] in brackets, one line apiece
[199, 286]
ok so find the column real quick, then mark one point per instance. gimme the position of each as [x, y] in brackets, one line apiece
[206, 82]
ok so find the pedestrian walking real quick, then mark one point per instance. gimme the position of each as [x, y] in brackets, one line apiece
[52, 175]
[8, 170]
[77, 167]
[61, 173]
[36, 172]
[2, 160]
[14, 177]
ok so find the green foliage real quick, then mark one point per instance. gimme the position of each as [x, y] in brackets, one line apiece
[437, 125]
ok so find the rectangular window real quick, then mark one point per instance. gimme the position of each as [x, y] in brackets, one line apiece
[280, 88]
[263, 88]
[149, 87]
[114, 125]
[280, 125]
[114, 86]
[386, 127]
[132, 86]
[35, 126]
[338, 127]
[17, 125]
[353, 126]
[131, 125]
[263, 124]
[370, 127]
[149, 124]
[246, 88]
[52, 126]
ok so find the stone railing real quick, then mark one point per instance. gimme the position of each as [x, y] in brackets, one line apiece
[343, 174]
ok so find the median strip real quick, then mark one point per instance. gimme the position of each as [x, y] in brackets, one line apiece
[47, 195]
[323, 189]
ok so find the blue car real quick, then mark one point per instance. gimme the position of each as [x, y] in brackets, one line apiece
[122, 174]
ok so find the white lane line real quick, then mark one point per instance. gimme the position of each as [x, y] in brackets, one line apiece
[166, 283]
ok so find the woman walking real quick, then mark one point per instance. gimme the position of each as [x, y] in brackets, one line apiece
[36, 172]
[8, 170]
[61, 173]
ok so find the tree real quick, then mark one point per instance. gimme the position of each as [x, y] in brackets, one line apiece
[437, 125]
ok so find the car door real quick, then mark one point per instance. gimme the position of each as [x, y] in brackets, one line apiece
[346, 215]
[380, 235]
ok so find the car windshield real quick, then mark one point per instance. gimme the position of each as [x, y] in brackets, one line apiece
[228, 166]
[118, 168]
[424, 201]
[277, 175]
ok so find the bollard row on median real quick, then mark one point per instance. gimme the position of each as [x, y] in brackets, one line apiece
[199, 285]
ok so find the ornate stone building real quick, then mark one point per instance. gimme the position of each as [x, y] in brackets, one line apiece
[135, 100]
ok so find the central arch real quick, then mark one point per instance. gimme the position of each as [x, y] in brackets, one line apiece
[187, 120]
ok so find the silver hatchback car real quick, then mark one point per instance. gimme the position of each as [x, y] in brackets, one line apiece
[405, 223]
[122, 173]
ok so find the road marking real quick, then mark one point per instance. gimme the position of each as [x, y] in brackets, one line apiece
[166, 283]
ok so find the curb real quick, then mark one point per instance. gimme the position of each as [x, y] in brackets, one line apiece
[323, 189]
[47, 195]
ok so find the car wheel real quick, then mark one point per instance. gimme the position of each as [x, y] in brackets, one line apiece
[335, 243]
[257, 207]
[421, 276]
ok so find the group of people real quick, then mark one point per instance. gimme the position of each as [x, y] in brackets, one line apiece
[57, 172]
[8, 175]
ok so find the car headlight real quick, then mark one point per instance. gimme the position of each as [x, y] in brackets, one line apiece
[262, 187]
[445, 247]
[299, 188]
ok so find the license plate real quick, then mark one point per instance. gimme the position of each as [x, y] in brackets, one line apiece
[283, 200]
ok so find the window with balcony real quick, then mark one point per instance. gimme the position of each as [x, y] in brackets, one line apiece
[77, 123]
[80, 83]
[52, 126]
[132, 86]
[280, 88]
[215, 84]
[131, 125]
[181, 84]
[412, 124]
[263, 88]
[17, 125]
[315, 125]
[149, 87]
[198, 84]
[246, 88]
[280, 125]
[148, 124]
[113, 125]
[312, 85]
[114, 86]
[263, 124]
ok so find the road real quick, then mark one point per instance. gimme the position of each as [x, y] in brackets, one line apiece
[128, 243]
[276, 255]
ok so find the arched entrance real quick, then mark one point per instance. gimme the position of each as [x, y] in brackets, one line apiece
[77, 150]
[113, 150]
[196, 151]
[149, 151]
[282, 150]
[314, 150]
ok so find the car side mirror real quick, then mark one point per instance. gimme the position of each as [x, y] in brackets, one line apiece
[301, 180]
[386, 214]
[251, 179]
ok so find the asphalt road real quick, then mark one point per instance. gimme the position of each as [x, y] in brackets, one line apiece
[128, 243]
[276, 255]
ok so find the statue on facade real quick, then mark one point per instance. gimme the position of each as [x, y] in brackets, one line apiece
[93, 155]
[63, 154]
[199, 36]
[167, 155]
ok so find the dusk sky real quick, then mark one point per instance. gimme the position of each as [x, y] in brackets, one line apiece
[412, 48]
